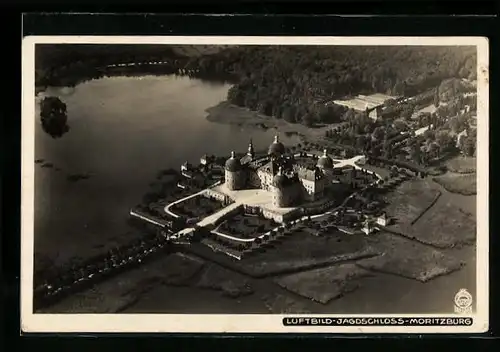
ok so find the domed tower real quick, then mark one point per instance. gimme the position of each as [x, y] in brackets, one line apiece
[325, 163]
[276, 148]
[279, 183]
[234, 174]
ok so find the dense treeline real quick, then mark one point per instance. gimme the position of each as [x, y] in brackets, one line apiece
[289, 82]
[294, 82]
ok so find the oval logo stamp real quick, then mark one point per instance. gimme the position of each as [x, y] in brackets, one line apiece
[463, 302]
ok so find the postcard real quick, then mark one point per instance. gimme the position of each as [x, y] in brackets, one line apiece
[255, 184]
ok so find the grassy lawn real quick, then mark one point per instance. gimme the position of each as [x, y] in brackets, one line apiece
[229, 283]
[383, 172]
[409, 259]
[303, 250]
[280, 304]
[445, 225]
[198, 206]
[462, 165]
[408, 200]
[324, 284]
[462, 184]
[247, 226]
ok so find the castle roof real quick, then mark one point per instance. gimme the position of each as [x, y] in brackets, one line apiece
[325, 161]
[233, 164]
[280, 181]
[276, 147]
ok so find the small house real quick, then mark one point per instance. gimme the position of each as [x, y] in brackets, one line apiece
[367, 227]
[206, 159]
[186, 166]
[382, 220]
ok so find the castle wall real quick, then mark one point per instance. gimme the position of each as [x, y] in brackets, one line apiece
[280, 217]
[254, 180]
[310, 189]
[210, 193]
[266, 180]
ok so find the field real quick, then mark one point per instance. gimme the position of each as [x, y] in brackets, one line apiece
[464, 184]
[462, 165]
[231, 284]
[117, 293]
[280, 304]
[409, 200]
[445, 225]
[324, 284]
[409, 259]
[301, 250]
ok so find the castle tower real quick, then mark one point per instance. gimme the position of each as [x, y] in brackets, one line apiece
[325, 164]
[234, 173]
[279, 183]
[276, 148]
[251, 152]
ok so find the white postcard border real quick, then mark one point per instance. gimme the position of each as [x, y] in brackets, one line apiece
[252, 323]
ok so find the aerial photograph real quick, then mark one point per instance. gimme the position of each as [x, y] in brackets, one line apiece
[254, 179]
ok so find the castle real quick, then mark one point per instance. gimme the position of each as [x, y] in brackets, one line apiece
[280, 173]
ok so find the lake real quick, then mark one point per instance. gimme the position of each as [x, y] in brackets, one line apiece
[123, 130]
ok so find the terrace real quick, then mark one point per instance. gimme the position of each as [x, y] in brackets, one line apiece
[246, 226]
[197, 206]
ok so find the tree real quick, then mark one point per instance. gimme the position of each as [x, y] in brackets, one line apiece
[360, 142]
[400, 125]
[308, 119]
[407, 112]
[378, 133]
[443, 140]
[53, 115]
[399, 89]
[436, 99]
[467, 145]
[415, 152]
[433, 150]
[387, 148]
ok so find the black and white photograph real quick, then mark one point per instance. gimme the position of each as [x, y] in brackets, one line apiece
[255, 184]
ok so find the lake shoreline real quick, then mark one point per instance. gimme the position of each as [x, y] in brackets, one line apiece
[227, 113]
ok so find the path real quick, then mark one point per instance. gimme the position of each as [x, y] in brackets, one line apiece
[167, 208]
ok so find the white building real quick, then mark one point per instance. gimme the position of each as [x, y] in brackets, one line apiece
[382, 220]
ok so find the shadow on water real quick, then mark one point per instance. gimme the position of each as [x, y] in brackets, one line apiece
[54, 117]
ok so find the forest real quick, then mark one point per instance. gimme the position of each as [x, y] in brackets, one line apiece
[289, 82]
